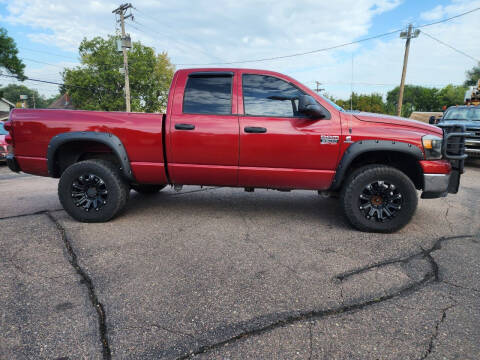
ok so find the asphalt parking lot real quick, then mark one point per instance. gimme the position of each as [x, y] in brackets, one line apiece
[218, 273]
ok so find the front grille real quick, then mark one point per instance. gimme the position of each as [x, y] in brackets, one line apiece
[474, 133]
[472, 142]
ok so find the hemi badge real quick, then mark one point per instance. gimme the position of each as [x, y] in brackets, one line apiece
[329, 139]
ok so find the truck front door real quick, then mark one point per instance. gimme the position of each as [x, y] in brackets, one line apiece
[204, 131]
[279, 147]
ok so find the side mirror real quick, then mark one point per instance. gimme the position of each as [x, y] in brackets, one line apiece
[432, 120]
[308, 106]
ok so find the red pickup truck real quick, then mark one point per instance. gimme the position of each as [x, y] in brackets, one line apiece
[240, 128]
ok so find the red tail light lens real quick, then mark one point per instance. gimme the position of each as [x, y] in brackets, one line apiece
[8, 139]
[8, 125]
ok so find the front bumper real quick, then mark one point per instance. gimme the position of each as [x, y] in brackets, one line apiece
[440, 184]
[435, 185]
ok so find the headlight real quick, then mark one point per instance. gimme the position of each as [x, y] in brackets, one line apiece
[433, 147]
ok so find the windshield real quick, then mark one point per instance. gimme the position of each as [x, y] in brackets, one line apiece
[463, 113]
[2, 129]
[339, 108]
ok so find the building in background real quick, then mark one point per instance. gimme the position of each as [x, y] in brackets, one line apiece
[5, 107]
[63, 102]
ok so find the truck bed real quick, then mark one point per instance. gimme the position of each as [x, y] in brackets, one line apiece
[140, 133]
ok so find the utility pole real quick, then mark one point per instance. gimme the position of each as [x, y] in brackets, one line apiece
[318, 89]
[121, 10]
[405, 35]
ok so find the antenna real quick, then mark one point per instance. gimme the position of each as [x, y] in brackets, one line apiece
[351, 89]
[349, 121]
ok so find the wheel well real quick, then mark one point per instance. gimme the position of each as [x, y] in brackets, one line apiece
[406, 163]
[75, 151]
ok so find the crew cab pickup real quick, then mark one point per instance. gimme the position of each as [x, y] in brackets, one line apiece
[240, 128]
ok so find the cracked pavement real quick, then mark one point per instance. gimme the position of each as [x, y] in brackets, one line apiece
[217, 273]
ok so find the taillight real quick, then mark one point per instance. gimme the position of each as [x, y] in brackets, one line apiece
[8, 125]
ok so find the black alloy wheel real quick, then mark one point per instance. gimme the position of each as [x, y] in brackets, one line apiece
[378, 198]
[380, 201]
[89, 192]
[92, 190]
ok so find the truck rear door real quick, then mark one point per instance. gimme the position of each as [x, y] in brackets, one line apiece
[204, 131]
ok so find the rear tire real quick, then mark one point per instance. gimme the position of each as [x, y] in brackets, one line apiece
[147, 189]
[92, 191]
[378, 198]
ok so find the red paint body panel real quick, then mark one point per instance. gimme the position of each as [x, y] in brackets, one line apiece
[140, 133]
[290, 155]
[279, 178]
[208, 154]
[194, 174]
[34, 165]
[289, 146]
[149, 173]
[364, 130]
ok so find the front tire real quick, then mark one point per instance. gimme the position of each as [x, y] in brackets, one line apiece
[92, 191]
[377, 198]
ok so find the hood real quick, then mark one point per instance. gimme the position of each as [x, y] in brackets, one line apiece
[396, 120]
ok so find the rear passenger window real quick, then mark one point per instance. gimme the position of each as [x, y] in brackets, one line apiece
[208, 95]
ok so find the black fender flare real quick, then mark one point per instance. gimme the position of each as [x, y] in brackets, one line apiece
[108, 139]
[363, 146]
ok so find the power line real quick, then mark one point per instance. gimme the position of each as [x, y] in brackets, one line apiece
[451, 47]
[450, 18]
[42, 62]
[176, 40]
[332, 47]
[35, 80]
[96, 89]
[299, 54]
[48, 53]
[277, 57]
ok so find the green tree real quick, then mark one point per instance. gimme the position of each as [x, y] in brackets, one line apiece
[415, 98]
[472, 76]
[451, 95]
[12, 93]
[370, 103]
[9, 55]
[98, 83]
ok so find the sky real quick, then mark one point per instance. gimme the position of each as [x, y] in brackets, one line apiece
[196, 32]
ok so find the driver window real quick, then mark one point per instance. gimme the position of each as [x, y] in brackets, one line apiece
[269, 96]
